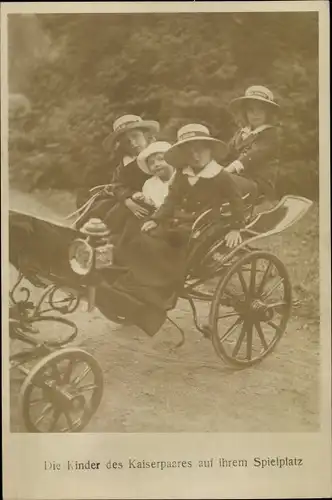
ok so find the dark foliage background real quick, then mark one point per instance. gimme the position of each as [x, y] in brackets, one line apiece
[79, 72]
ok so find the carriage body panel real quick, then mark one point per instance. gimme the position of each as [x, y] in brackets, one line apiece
[39, 249]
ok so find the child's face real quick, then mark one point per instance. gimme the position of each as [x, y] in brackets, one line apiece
[136, 140]
[158, 166]
[197, 154]
[256, 114]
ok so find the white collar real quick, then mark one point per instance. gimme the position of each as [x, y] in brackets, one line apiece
[210, 170]
[247, 130]
[128, 159]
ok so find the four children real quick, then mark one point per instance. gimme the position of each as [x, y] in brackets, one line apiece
[159, 189]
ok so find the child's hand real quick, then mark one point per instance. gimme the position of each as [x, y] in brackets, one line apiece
[148, 226]
[235, 167]
[233, 239]
[138, 196]
[136, 209]
[141, 197]
[230, 169]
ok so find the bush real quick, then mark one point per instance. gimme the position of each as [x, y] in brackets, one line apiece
[174, 68]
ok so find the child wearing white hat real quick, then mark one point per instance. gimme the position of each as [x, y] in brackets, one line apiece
[152, 161]
[253, 150]
[200, 182]
[131, 134]
[156, 252]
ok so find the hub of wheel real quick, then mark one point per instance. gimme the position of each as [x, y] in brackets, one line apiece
[261, 310]
[62, 397]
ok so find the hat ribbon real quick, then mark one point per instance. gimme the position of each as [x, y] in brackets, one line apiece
[258, 93]
[125, 124]
[189, 135]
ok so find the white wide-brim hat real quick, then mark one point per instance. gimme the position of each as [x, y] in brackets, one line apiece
[254, 93]
[155, 147]
[194, 132]
[126, 123]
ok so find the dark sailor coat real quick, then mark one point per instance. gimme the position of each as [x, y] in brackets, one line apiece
[258, 152]
[208, 192]
[126, 180]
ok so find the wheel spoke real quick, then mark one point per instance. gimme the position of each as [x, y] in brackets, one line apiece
[259, 290]
[230, 329]
[261, 335]
[253, 278]
[230, 295]
[230, 315]
[243, 282]
[239, 341]
[84, 388]
[55, 420]
[277, 304]
[269, 292]
[264, 278]
[82, 376]
[276, 327]
[56, 375]
[69, 419]
[44, 412]
[249, 336]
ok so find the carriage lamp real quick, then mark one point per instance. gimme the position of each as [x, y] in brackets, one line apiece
[93, 252]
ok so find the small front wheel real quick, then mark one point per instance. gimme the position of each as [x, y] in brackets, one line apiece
[250, 309]
[62, 392]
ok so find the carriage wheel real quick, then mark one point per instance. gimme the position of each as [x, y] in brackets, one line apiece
[62, 392]
[251, 309]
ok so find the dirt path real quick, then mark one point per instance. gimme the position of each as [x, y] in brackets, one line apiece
[151, 388]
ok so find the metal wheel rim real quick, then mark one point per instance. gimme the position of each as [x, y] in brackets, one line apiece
[217, 343]
[28, 386]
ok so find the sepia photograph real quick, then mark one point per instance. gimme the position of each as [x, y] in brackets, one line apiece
[166, 250]
[163, 222]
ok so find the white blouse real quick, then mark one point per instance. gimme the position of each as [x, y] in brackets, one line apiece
[156, 190]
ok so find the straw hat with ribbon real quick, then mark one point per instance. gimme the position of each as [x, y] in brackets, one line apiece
[189, 134]
[254, 93]
[126, 123]
[155, 147]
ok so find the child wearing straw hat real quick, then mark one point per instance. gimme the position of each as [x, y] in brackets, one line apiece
[253, 151]
[200, 182]
[155, 254]
[131, 134]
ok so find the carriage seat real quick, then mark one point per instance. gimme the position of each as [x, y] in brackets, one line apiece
[205, 220]
[287, 212]
[208, 242]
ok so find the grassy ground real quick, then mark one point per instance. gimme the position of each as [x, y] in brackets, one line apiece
[298, 248]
